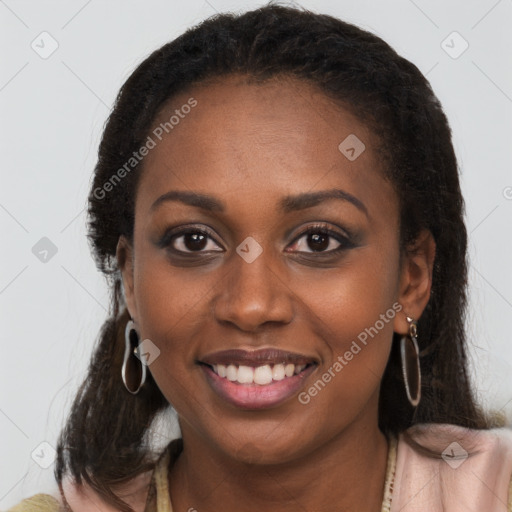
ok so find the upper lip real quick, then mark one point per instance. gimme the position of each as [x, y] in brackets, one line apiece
[256, 357]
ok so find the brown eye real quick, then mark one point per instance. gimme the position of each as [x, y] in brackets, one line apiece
[194, 241]
[318, 241]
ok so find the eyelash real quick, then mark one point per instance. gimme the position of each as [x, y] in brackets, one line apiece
[344, 241]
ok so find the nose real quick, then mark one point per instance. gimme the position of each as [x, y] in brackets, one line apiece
[254, 294]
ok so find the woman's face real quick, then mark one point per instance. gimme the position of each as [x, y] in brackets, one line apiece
[275, 238]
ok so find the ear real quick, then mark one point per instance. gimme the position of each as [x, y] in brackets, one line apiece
[125, 259]
[415, 280]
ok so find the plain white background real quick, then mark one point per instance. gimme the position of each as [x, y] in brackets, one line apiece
[53, 111]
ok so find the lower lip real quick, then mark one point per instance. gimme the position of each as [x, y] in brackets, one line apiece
[255, 396]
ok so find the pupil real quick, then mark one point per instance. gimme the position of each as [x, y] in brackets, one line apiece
[318, 241]
[195, 241]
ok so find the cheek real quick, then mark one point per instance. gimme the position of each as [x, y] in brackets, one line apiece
[171, 304]
[169, 299]
[354, 310]
[353, 297]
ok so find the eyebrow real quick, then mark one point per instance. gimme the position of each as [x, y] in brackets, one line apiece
[287, 204]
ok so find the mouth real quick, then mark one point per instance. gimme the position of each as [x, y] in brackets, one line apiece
[256, 379]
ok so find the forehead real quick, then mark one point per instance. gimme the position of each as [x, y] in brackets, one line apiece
[258, 142]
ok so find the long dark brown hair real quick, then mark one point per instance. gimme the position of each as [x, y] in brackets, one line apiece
[104, 441]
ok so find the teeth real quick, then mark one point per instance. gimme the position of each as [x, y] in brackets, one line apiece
[299, 368]
[245, 375]
[232, 372]
[261, 375]
[289, 370]
[278, 372]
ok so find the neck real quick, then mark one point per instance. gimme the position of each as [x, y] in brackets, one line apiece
[348, 470]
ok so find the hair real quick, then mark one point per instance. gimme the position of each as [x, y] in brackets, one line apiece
[104, 441]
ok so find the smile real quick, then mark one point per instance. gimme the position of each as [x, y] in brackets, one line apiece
[256, 379]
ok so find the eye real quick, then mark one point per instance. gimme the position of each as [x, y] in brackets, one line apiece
[315, 239]
[321, 239]
[190, 240]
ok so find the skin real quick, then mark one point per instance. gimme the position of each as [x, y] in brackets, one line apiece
[249, 146]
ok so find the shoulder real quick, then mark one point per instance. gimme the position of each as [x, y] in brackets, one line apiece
[449, 467]
[82, 498]
[142, 493]
[38, 503]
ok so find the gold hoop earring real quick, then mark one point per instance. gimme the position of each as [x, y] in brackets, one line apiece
[411, 370]
[133, 371]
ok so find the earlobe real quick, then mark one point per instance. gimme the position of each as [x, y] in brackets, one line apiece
[124, 256]
[416, 279]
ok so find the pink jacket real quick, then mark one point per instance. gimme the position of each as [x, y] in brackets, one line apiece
[473, 472]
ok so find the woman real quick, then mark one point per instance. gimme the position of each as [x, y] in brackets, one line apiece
[276, 204]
